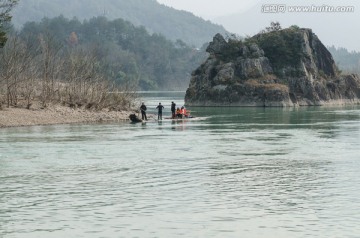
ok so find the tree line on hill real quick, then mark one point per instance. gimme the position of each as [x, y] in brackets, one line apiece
[5, 8]
[348, 61]
[127, 54]
[155, 17]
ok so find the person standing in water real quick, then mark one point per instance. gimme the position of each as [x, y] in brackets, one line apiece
[173, 109]
[143, 111]
[160, 108]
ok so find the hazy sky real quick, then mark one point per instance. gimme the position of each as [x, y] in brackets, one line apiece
[244, 17]
[208, 9]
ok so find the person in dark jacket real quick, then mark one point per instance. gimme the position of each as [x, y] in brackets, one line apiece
[160, 108]
[173, 109]
[143, 111]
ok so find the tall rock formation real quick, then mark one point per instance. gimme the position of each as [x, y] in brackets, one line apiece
[289, 67]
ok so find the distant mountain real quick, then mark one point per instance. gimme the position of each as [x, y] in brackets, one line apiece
[155, 17]
[339, 29]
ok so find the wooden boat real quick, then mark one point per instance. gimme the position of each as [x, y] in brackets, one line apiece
[180, 118]
[135, 119]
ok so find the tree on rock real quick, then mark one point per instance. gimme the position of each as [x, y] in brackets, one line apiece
[274, 26]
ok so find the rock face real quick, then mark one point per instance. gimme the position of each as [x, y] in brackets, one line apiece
[289, 67]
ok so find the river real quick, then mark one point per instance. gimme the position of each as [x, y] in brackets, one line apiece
[230, 172]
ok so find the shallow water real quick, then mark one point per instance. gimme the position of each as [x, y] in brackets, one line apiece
[232, 172]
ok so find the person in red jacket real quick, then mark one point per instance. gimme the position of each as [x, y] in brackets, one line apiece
[183, 111]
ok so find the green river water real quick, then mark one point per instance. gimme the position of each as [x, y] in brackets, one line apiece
[230, 172]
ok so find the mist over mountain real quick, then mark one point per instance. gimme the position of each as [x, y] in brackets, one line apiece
[338, 29]
[155, 17]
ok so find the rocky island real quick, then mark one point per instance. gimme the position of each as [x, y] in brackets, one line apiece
[283, 67]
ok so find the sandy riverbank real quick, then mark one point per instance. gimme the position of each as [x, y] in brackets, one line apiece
[56, 114]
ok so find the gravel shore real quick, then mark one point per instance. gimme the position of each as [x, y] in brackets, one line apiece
[15, 117]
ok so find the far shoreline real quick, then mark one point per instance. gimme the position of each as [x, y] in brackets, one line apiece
[63, 115]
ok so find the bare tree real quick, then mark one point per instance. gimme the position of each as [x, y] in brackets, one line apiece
[15, 59]
[50, 74]
[50, 66]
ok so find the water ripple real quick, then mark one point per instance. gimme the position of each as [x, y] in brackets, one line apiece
[241, 172]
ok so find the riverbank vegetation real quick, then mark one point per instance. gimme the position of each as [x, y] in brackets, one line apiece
[45, 72]
[88, 64]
